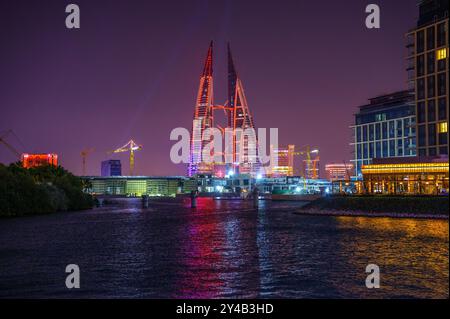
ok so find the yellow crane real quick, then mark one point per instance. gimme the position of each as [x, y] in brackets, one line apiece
[131, 147]
[84, 154]
[311, 165]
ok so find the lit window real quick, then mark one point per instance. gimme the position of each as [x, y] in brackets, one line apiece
[442, 127]
[441, 54]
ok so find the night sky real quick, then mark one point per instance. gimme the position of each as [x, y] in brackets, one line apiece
[132, 71]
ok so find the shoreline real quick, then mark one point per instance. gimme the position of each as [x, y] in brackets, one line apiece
[335, 213]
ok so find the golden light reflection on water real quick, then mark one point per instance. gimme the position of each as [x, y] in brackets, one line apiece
[409, 227]
[410, 252]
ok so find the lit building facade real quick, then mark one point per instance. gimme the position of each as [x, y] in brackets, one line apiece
[203, 118]
[239, 157]
[284, 158]
[428, 75]
[111, 168]
[140, 185]
[339, 172]
[421, 176]
[386, 127]
[35, 160]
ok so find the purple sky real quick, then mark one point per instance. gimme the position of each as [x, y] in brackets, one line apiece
[132, 71]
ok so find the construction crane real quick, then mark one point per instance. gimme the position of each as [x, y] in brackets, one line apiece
[9, 146]
[131, 147]
[84, 154]
[315, 169]
[311, 165]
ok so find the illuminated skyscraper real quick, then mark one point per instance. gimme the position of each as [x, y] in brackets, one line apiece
[203, 116]
[243, 153]
[240, 118]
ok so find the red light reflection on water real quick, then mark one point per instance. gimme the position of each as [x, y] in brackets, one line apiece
[200, 277]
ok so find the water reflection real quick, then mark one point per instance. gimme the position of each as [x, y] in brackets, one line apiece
[413, 256]
[221, 249]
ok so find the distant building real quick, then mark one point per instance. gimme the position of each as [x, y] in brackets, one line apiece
[140, 185]
[35, 160]
[386, 127]
[111, 168]
[428, 75]
[284, 156]
[292, 185]
[311, 168]
[339, 171]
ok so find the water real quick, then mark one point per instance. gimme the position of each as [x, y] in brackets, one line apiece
[223, 249]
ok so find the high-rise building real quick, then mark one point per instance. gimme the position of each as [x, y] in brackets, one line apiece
[285, 161]
[240, 158]
[428, 75]
[386, 127]
[203, 117]
[240, 118]
[111, 168]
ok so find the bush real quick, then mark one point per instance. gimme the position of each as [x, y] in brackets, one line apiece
[40, 190]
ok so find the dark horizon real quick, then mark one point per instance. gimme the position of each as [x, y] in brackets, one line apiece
[132, 71]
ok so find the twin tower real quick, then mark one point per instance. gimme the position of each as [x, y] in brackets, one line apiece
[238, 117]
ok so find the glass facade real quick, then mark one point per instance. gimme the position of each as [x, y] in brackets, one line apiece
[138, 186]
[429, 178]
[427, 66]
[385, 128]
[111, 168]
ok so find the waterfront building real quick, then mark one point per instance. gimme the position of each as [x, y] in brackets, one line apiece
[428, 75]
[339, 171]
[386, 127]
[238, 183]
[111, 168]
[233, 183]
[35, 160]
[209, 183]
[292, 185]
[140, 185]
[244, 184]
[407, 176]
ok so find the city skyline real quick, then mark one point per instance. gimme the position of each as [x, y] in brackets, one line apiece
[130, 169]
[117, 77]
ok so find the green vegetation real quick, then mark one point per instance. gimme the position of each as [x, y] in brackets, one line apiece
[40, 190]
[384, 204]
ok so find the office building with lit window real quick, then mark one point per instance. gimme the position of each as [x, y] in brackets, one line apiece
[339, 171]
[284, 157]
[428, 75]
[140, 185]
[386, 127]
